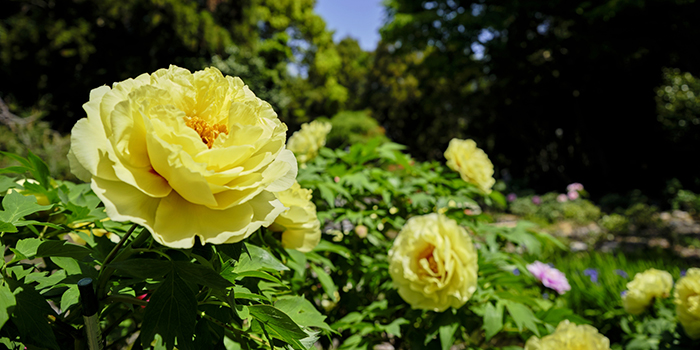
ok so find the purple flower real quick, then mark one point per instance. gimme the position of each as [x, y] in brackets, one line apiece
[572, 195]
[549, 276]
[623, 274]
[592, 273]
[511, 197]
[574, 187]
[537, 200]
[623, 293]
[683, 273]
[516, 272]
[562, 198]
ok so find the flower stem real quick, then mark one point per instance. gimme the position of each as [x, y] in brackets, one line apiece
[116, 248]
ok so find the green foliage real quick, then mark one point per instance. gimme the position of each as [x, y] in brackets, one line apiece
[364, 195]
[678, 104]
[546, 209]
[615, 224]
[350, 128]
[195, 298]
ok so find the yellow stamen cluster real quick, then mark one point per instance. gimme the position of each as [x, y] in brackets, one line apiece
[207, 132]
[428, 255]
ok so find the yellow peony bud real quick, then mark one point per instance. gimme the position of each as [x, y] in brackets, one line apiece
[299, 225]
[472, 164]
[687, 300]
[184, 155]
[644, 288]
[306, 142]
[569, 336]
[433, 263]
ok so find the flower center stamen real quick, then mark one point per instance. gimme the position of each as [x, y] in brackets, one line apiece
[206, 131]
[427, 254]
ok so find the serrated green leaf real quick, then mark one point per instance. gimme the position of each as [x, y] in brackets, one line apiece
[30, 317]
[326, 282]
[172, 313]
[493, 319]
[7, 302]
[522, 316]
[200, 274]
[279, 324]
[259, 259]
[17, 206]
[302, 312]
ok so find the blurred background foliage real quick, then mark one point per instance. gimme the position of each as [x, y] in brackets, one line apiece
[602, 92]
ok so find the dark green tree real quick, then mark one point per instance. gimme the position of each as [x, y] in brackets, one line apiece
[555, 91]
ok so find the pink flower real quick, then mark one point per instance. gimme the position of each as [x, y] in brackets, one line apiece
[537, 200]
[562, 198]
[549, 276]
[572, 195]
[574, 187]
[511, 197]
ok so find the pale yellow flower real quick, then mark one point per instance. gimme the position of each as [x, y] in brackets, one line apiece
[299, 224]
[433, 263]
[306, 142]
[472, 164]
[184, 155]
[646, 286]
[687, 300]
[569, 336]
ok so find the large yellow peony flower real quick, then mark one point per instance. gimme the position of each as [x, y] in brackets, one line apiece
[184, 155]
[433, 263]
[644, 288]
[299, 224]
[687, 299]
[471, 163]
[569, 336]
[306, 142]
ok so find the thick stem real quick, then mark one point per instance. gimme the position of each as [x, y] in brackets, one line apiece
[116, 248]
[106, 271]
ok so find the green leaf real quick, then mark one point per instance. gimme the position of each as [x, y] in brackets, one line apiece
[143, 268]
[70, 297]
[40, 170]
[447, 335]
[257, 274]
[302, 312]
[7, 302]
[201, 275]
[325, 246]
[259, 259]
[30, 317]
[394, 328]
[17, 206]
[70, 265]
[28, 247]
[172, 313]
[6, 183]
[493, 319]
[522, 316]
[62, 249]
[326, 282]
[279, 324]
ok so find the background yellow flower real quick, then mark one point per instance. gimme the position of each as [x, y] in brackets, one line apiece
[433, 263]
[306, 142]
[646, 286]
[569, 336]
[299, 225]
[184, 155]
[687, 300]
[472, 163]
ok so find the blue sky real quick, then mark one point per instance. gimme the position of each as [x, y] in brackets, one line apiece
[359, 19]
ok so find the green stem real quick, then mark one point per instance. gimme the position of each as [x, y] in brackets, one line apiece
[116, 248]
[106, 271]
